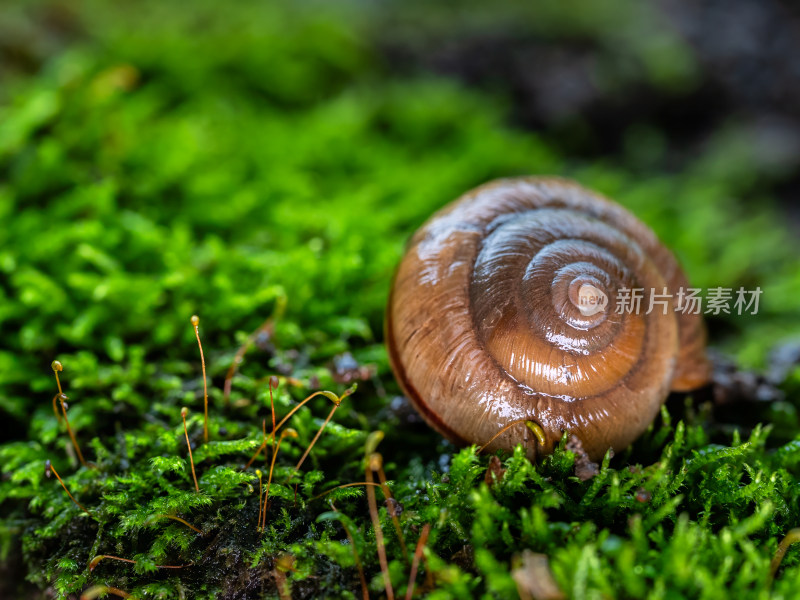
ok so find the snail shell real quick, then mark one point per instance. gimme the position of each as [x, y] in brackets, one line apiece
[491, 323]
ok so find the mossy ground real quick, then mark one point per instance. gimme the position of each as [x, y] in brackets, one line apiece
[161, 161]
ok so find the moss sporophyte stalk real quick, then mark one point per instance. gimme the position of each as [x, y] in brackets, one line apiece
[49, 468]
[196, 325]
[184, 412]
[62, 398]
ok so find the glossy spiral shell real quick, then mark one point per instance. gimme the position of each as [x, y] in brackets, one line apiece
[491, 320]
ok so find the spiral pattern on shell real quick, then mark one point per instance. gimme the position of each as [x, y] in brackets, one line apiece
[503, 311]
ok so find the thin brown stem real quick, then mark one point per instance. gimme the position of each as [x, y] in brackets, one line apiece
[336, 405]
[330, 395]
[376, 524]
[55, 407]
[423, 539]
[61, 396]
[501, 432]
[196, 324]
[346, 485]
[311, 445]
[238, 359]
[261, 447]
[288, 432]
[49, 468]
[255, 456]
[184, 412]
[364, 588]
[75, 445]
[273, 384]
[283, 564]
[179, 520]
[96, 591]
[387, 493]
[258, 523]
[791, 538]
[267, 326]
[96, 560]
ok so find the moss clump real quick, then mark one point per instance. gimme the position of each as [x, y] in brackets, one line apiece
[260, 160]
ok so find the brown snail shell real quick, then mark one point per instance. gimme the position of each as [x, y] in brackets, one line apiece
[486, 324]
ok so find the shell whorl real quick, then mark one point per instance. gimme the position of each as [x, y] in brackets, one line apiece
[491, 319]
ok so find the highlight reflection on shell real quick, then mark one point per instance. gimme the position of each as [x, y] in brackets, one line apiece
[496, 315]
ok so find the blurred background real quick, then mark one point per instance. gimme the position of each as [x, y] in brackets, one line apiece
[159, 160]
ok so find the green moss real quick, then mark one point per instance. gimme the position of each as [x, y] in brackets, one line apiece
[165, 162]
